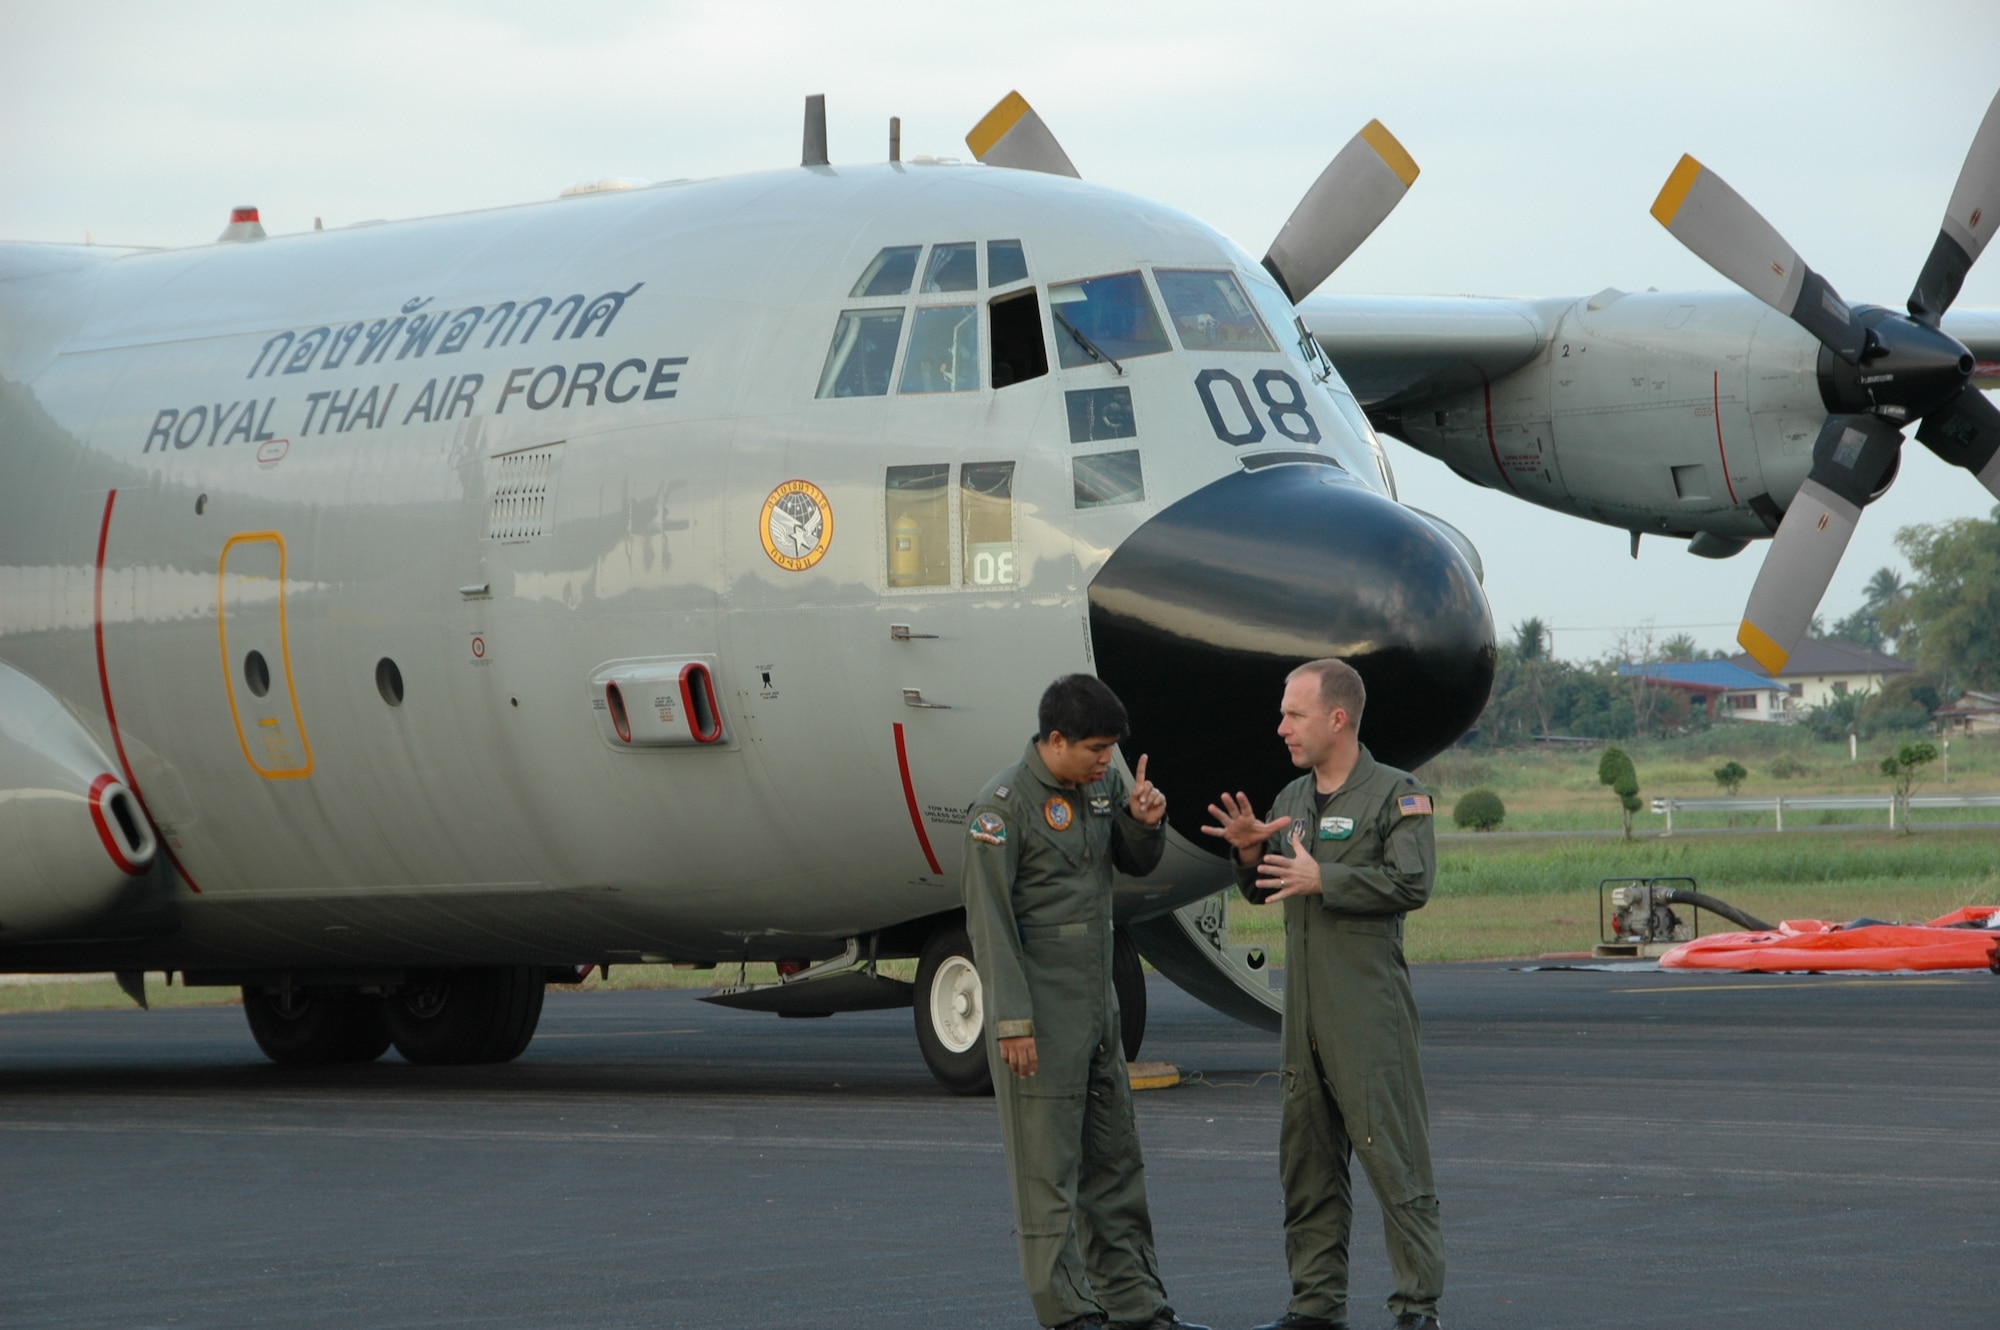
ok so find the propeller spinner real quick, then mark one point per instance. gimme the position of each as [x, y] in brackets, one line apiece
[1879, 370]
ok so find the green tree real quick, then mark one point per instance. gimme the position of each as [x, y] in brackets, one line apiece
[1680, 647]
[1479, 809]
[1730, 776]
[1616, 770]
[1903, 769]
[1954, 605]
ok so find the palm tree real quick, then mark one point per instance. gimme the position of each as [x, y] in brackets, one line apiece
[1885, 586]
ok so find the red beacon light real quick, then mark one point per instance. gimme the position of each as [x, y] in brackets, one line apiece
[243, 225]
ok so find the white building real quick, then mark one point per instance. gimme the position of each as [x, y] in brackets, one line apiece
[1820, 672]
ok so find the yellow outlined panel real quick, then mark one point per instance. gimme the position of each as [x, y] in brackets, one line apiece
[257, 656]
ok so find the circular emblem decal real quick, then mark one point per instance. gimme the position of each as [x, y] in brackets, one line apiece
[1058, 813]
[797, 525]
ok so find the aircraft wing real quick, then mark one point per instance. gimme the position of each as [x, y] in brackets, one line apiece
[1393, 350]
[1979, 329]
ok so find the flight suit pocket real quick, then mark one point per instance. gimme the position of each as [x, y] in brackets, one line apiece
[1406, 856]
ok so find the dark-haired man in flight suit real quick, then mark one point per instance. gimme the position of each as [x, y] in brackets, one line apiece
[1348, 848]
[1043, 837]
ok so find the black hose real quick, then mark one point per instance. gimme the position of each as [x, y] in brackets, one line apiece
[1702, 900]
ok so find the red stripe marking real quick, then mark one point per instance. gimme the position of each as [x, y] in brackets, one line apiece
[98, 820]
[104, 684]
[1491, 446]
[1718, 437]
[910, 798]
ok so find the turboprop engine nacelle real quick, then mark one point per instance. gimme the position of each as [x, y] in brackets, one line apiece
[72, 836]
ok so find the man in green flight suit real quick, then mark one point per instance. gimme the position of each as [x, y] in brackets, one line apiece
[1348, 848]
[1043, 837]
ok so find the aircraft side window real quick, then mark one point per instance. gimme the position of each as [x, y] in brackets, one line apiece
[1104, 480]
[1210, 311]
[862, 356]
[953, 267]
[986, 522]
[1104, 318]
[944, 350]
[889, 273]
[917, 513]
[1016, 325]
[1005, 263]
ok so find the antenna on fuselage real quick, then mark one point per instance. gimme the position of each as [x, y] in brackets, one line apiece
[895, 138]
[815, 147]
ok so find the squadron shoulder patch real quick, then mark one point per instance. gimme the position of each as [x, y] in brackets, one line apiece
[1414, 805]
[990, 828]
[1058, 813]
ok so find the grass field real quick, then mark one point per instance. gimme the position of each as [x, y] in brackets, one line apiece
[1499, 898]
[1556, 789]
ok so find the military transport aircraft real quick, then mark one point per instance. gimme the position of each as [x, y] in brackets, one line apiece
[1703, 416]
[397, 618]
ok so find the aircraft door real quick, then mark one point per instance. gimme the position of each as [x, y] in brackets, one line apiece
[257, 658]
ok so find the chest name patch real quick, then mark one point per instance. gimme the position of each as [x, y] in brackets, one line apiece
[989, 828]
[1336, 828]
[1058, 814]
[1414, 805]
[1100, 805]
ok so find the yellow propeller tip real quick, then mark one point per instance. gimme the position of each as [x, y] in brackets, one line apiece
[993, 127]
[1762, 648]
[1377, 136]
[1674, 193]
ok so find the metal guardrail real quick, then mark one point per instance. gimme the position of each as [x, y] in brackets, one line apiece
[1804, 803]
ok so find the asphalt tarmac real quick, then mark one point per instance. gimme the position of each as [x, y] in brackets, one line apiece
[1613, 1149]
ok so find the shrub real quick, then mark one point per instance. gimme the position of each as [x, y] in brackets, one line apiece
[1479, 809]
[1615, 769]
[1787, 767]
[1730, 776]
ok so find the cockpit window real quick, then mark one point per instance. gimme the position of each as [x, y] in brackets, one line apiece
[1005, 262]
[1293, 336]
[1105, 318]
[953, 267]
[1104, 480]
[889, 273]
[863, 353]
[1210, 311]
[944, 350]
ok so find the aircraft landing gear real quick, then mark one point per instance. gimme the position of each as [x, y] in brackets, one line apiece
[306, 1027]
[460, 1017]
[951, 1013]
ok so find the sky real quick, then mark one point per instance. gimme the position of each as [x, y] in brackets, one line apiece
[1543, 130]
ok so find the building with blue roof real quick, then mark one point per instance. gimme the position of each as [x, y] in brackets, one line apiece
[1740, 693]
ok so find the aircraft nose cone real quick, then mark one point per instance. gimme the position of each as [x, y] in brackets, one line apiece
[1198, 617]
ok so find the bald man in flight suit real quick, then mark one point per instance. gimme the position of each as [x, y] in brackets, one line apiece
[1348, 847]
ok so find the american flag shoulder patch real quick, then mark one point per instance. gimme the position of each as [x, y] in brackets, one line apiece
[1413, 805]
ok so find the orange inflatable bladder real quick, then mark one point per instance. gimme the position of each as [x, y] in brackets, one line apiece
[1965, 939]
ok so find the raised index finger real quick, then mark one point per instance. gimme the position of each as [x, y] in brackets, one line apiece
[1140, 774]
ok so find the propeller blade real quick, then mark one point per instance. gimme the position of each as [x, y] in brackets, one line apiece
[1012, 135]
[1852, 460]
[1361, 185]
[1702, 212]
[1969, 222]
[1967, 434]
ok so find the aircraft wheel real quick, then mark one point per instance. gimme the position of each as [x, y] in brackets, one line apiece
[444, 1018]
[1128, 980]
[951, 1013]
[316, 1027]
